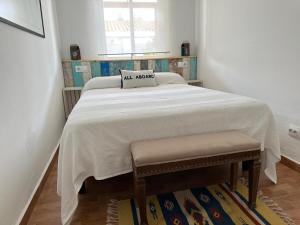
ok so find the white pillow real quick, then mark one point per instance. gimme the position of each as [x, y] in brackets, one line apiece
[169, 78]
[135, 79]
[103, 82]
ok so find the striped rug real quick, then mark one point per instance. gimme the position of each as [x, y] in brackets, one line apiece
[209, 205]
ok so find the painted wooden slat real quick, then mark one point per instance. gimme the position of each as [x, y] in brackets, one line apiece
[77, 77]
[115, 67]
[68, 77]
[158, 65]
[193, 75]
[129, 65]
[104, 69]
[165, 65]
[144, 64]
[87, 75]
[137, 65]
[187, 70]
[151, 64]
[96, 69]
[173, 66]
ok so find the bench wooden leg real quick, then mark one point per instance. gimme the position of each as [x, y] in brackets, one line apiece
[140, 194]
[245, 166]
[233, 176]
[254, 171]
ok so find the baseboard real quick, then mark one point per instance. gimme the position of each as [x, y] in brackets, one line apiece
[290, 163]
[24, 217]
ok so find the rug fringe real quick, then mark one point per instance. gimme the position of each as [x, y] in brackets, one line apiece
[275, 207]
[272, 205]
[112, 217]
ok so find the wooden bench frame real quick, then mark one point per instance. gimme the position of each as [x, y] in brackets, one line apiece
[252, 157]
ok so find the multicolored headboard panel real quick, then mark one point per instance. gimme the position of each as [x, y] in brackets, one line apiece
[77, 73]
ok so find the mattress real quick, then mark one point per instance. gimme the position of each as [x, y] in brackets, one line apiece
[97, 136]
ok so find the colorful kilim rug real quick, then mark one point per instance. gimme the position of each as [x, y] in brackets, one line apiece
[209, 205]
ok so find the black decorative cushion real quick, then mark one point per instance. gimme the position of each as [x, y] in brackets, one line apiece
[135, 79]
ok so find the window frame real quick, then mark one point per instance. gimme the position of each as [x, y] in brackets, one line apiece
[131, 5]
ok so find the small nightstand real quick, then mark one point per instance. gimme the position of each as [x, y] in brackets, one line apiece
[197, 83]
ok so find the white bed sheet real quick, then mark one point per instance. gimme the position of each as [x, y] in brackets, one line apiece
[98, 133]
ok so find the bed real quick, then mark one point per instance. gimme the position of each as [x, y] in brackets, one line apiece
[98, 133]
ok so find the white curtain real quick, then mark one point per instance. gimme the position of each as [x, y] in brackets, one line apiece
[162, 38]
[101, 37]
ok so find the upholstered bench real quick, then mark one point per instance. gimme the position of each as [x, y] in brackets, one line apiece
[169, 155]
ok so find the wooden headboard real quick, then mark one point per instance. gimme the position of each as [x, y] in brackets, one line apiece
[77, 73]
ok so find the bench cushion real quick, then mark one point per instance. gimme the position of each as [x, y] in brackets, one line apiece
[159, 151]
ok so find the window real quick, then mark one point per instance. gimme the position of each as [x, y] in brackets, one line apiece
[135, 26]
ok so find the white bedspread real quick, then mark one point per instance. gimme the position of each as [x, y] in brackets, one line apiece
[97, 135]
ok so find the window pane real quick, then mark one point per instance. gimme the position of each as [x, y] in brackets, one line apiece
[118, 45]
[115, 0]
[144, 0]
[144, 14]
[116, 14]
[136, 25]
[117, 30]
[144, 45]
[144, 29]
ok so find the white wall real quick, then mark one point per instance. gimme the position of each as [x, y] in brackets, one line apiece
[79, 19]
[78, 22]
[252, 48]
[31, 114]
[182, 17]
